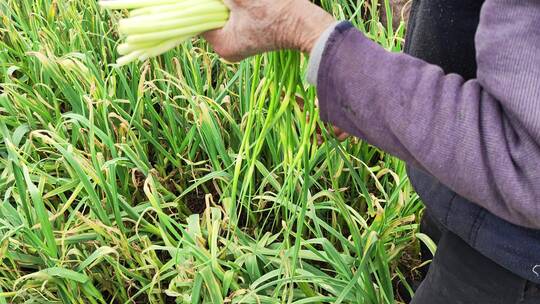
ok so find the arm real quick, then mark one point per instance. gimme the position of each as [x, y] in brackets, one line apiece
[481, 138]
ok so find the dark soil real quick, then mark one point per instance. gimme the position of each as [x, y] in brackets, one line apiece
[195, 203]
[414, 276]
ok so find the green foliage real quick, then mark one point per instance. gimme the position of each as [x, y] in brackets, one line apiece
[103, 170]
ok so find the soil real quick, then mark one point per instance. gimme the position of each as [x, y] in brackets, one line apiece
[195, 202]
[408, 264]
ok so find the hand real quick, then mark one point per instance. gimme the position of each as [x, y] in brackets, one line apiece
[258, 26]
[339, 134]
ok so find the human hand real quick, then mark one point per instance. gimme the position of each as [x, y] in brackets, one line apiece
[258, 26]
[339, 134]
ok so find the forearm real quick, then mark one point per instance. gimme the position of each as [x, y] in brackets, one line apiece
[455, 130]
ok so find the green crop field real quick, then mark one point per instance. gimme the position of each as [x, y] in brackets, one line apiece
[184, 178]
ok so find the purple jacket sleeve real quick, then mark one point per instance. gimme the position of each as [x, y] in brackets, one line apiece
[481, 138]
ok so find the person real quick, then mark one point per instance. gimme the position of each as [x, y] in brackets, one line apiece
[462, 108]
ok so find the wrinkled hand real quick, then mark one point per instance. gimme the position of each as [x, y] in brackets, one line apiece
[258, 26]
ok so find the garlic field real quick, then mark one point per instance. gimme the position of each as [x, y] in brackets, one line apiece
[184, 178]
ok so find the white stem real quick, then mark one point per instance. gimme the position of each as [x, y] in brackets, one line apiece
[166, 35]
[130, 4]
[128, 58]
[126, 48]
[159, 26]
[162, 48]
[170, 7]
[208, 7]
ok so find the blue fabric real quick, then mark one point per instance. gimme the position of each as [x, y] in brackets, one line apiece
[459, 274]
[513, 247]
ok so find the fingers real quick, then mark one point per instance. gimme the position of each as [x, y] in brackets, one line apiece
[220, 40]
[215, 38]
[340, 134]
[212, 36]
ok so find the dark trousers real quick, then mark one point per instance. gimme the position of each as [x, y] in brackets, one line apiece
[461, 275]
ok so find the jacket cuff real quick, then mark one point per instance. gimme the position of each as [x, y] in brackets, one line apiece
[316, 54]
[326, 65]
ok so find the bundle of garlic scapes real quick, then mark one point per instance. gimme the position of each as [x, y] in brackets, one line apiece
[157, 26]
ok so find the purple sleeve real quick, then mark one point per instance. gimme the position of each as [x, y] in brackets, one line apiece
[481, 138]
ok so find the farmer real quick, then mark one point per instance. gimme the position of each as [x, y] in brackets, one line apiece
[462, 108]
